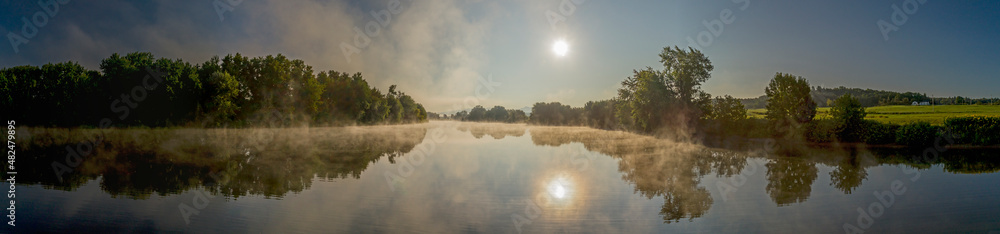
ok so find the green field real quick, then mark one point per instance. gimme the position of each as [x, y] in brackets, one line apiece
[908, 114]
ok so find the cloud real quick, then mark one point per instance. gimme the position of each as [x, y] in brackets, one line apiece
[433, 50]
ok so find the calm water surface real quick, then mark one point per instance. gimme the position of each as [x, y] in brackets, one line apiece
[447, 177]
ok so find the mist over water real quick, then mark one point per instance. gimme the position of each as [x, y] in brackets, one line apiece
[481, 177]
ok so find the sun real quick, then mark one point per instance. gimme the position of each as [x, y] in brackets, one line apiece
[560, 48]
[559, 191]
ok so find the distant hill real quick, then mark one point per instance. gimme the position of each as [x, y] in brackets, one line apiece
[871, 97]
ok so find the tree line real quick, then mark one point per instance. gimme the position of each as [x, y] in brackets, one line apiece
[138, 89]
[824, 97]
[653, 100]
[495, 114]
[670, 101]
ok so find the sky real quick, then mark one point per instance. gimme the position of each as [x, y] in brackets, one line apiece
[442, 52]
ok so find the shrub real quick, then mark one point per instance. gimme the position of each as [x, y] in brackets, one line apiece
[850, 116]
[789, 103]
[822, 130]
[916, 134]
[978, 130]
[876, 133]
[755, 128]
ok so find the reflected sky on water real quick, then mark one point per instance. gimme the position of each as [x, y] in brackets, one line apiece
[445, 177]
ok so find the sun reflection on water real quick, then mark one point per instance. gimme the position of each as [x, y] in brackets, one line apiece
[560, 187]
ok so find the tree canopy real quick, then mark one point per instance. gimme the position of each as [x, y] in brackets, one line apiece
[849, 114]
[789, 102]
[138, 89]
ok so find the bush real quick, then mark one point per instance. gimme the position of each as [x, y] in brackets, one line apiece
[977, 130]
[754, 128]
[876, 133]
[850, 115]
[916, 134]
[822, 130]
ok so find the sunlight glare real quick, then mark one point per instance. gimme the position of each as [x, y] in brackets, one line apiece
[560, 48]
[559, 192]
[559, 187]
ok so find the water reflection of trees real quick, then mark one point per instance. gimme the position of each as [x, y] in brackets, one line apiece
[655, 167]
[673, 170]
[136, 163]
[789, 180]
[959, 161]
[496, 130]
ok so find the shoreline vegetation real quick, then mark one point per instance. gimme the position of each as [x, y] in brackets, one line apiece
[139, 90]
[669, 103]
[142, 163]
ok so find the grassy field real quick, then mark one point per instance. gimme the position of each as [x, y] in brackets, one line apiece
[908, 114]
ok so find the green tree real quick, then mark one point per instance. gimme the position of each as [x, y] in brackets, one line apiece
[178, 98]
[686, 70]
[645, 100]
[461, 115]
[477, 113]
[144, 90]
[395, 107]
[497, 113]
[727, 109]
[725, 115]
[850, 115]
[308, 90]
[555, 113]
[421, 113]
[601, 114]
[411, 110]
[516, 116]
[789, 103]
[223, 93]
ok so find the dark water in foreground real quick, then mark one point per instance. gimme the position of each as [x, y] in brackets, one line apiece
[446, 177]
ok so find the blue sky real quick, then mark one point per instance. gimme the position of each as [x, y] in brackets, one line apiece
[437, 50]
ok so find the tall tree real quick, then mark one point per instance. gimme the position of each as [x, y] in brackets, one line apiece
[477, 113]
[789, 102]
[516, 116]
[601, 114]
[686, 70]
[849, 114]
[645, 100]
[497, 114]
[223, 93]
[144, 90]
